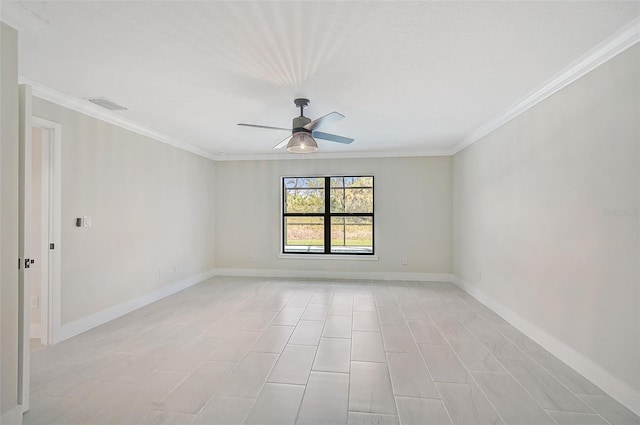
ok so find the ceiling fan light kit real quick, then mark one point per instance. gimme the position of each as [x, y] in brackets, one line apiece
[304, 130]
[302, 142]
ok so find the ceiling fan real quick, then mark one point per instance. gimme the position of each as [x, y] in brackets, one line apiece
[304, 131]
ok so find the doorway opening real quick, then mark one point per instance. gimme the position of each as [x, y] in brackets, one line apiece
[43, 295]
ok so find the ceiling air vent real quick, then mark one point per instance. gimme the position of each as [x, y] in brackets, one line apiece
[106, 103]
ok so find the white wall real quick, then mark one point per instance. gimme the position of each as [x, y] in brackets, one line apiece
[8, 221]
[535, 224]
[412, 214]
[151, 207]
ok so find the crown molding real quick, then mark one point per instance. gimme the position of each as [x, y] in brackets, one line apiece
[620, 41]
[87, 108]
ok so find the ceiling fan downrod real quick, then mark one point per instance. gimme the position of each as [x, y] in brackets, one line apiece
[301, 103]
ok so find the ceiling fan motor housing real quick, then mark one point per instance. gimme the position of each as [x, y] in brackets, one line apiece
[299, 123]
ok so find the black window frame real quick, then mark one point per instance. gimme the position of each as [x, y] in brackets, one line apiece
[327, 215]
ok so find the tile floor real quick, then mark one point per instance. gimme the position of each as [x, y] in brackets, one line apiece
[273, 351]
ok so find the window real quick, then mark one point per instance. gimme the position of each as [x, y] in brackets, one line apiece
[327, 215]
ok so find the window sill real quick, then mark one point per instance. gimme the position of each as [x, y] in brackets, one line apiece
[328, 257]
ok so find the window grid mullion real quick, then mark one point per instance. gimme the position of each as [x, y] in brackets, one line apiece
[326, 215]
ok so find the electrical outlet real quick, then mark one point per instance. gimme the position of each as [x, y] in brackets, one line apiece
[87, 220]
[405, 261]
[35, 301]
[174, 269]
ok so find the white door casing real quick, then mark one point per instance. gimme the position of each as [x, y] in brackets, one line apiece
[24, 242]
[50, 289]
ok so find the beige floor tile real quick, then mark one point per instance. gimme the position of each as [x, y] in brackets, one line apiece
[249, 376]
[370, 390]
[337, 327]
[198, 387]
[165, 418]
[398, 339]
[294, 365]
[443, 364]
[544, 388]
[326, 399]
[316, 312]
[366, 321]
[421, 411]
[611, 410]
[234, 348]
[391, 316]
[410, 376]
[277, 404]
[96, 400]
[224, 411]
[474, 356]
[359, 418]
[46, 409]
[570, 418]
[259, 321]
[467, 405]
[135, 403]
[510, 400]
[307, 333]
[367, 347]
[425, 332]
[341, 309]
[191, 355]
[334, 355]
[273, 339]
[288, 316]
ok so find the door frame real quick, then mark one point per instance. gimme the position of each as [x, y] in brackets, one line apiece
[50, 289]
[24, 243]
[25, 250]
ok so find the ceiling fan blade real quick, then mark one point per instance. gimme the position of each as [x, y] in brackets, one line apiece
[331, 137]
[264, 126]
[322, 121]
[284, 143]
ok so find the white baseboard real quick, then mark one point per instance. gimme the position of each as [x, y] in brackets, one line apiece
[586, 367]
[12, 417]
[334, 274]
[35, 330]
[82, 325]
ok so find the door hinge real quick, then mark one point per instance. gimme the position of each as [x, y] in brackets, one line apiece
[19, 262]
[52, 246]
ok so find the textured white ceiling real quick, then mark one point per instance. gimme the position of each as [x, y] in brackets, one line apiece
[409, 76]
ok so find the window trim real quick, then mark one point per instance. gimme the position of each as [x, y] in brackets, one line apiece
[327, 215]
